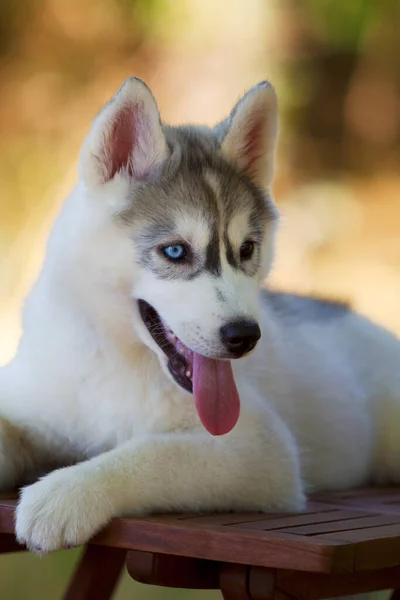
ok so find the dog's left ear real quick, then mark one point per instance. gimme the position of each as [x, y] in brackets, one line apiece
[126, 139]
[248, 135]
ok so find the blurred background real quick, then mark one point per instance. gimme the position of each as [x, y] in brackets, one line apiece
[336, 67]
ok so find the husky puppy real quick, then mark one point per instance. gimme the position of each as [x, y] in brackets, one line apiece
[150, 292]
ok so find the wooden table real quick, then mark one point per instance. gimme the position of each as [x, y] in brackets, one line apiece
[342, 544]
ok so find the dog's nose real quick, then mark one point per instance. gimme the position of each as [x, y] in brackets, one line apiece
[240, 337]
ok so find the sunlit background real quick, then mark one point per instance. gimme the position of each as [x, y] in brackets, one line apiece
[336, 67]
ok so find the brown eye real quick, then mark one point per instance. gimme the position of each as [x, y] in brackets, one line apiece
[246, 250]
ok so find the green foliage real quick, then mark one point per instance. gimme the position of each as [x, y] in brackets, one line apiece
[47, 578]
[150, 17]
[343, 22]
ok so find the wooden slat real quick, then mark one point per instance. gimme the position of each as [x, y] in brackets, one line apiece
[347, 525]
[228, 545]
[362, 535]
[312, 507]
[297, 520]
[239, 519]
[224, 520]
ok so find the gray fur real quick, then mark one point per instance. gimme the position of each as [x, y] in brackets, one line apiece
[293, 309]
[220, 296]
[183, 188]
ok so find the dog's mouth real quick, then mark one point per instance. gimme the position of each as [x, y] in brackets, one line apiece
[180, 357]
[210, 380]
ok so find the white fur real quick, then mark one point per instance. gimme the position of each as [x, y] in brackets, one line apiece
[320, 403]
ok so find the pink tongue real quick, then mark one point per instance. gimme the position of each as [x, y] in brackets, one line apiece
[215, 394]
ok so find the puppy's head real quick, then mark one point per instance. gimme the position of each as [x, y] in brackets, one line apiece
[195, 205]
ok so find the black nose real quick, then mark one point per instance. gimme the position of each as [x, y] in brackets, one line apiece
[240, 337]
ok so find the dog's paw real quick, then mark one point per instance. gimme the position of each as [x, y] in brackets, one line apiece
[62, 510]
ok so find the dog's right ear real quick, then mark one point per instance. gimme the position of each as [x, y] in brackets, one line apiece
[126, 138]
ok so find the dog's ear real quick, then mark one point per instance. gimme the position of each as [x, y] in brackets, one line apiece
[248, 135]
[126, 137]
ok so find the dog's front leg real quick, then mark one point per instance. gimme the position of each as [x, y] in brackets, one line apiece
[255, 467]
[19, 455]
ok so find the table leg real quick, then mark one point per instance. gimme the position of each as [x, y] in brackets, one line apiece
[97, 574]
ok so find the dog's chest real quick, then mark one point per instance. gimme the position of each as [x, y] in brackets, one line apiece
[120, 405]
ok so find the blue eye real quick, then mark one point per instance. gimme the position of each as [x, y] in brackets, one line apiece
[175, 252]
